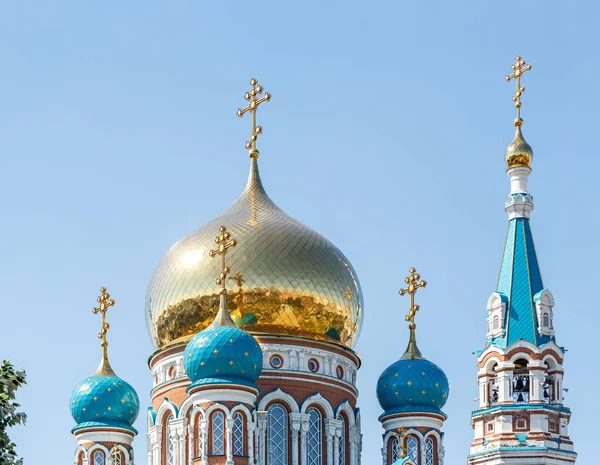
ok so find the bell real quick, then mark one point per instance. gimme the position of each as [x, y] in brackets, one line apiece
[519, 385]
[520, 398]
[495, 396]
[546, 395]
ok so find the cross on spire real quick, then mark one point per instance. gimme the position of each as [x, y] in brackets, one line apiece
[224, 242]
[518, 68]
[413, 285]
[252, 97]
[105, 303]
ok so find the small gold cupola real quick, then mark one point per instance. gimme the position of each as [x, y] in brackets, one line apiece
[518, 152]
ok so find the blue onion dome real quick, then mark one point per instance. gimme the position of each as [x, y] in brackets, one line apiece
[104, 400]
[412, 384]
[223, 354]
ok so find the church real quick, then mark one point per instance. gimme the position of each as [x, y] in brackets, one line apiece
[254, 317]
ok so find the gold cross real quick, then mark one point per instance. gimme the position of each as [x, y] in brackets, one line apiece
[252, 97]
[238, 278]
[401, 432]
[348, 294]
[105, 303]
[224, 242]
[413, 285]
[115, 455]
[518, 69]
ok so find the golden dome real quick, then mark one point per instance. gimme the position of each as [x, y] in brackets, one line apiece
[518, 152]
[295, 281]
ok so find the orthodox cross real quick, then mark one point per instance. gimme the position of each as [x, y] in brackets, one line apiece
[413, 285]
[348, 297]
[105, 303]
[252, 97]
[518, 69]
[238, 278]
[224, 242]
[115, 455]
[401, 433]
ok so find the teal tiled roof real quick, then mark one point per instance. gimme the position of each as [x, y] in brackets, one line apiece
[104, 401]
[520, 280]
[223, 355]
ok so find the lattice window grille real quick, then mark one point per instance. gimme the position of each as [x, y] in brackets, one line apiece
[342, 443]
[412, 449]
[314, 438]
[98, 457]
[429, 452]
[277, 436]
[395, 449]
[238, 434]
[171, 443]
[218, 434]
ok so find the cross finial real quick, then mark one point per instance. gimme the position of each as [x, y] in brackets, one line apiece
[115, 455]
[401, 433]
[255, 101]
[518, 68]
[238, 278]
[413, 285]
[224, 242]
[105, 303]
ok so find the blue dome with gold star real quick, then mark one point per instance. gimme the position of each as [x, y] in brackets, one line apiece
[223, 355]
[412, 384]
[104, 401]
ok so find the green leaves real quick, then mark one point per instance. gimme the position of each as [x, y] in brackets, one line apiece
[10, 381]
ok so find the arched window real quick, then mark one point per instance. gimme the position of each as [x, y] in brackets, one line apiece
[218, 433]
[395, 449]
[496, 322]
[342, 443]
[546, 320]
[238, 434]
[430, 451]
[412, 449]
[171, 442]
[315, 438]
[98, 457]
[277, 435]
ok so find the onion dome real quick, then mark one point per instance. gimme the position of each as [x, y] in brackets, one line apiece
[412, 384]
[104, 399]
[518, 152]
[223, 354]
[297, 282]
[101, 401]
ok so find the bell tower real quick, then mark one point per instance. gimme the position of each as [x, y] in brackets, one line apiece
[521, 417]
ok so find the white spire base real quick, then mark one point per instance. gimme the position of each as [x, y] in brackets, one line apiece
[519, 203]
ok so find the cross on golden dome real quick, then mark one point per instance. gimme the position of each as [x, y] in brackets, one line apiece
[413, 285]
[518, 68]
[224, 242]
[238, 278]
[105, 303]
[252, 97]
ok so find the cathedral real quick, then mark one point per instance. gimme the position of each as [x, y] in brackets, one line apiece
[254, 317]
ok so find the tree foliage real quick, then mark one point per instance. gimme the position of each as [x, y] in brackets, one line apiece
[10, 381]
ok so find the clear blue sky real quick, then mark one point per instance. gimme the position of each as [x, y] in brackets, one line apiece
[386, 133]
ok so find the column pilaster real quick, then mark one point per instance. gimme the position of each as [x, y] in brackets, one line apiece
[250, 428]
[262, 419]
[304, 426]
[295, 422]
[229, 441]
